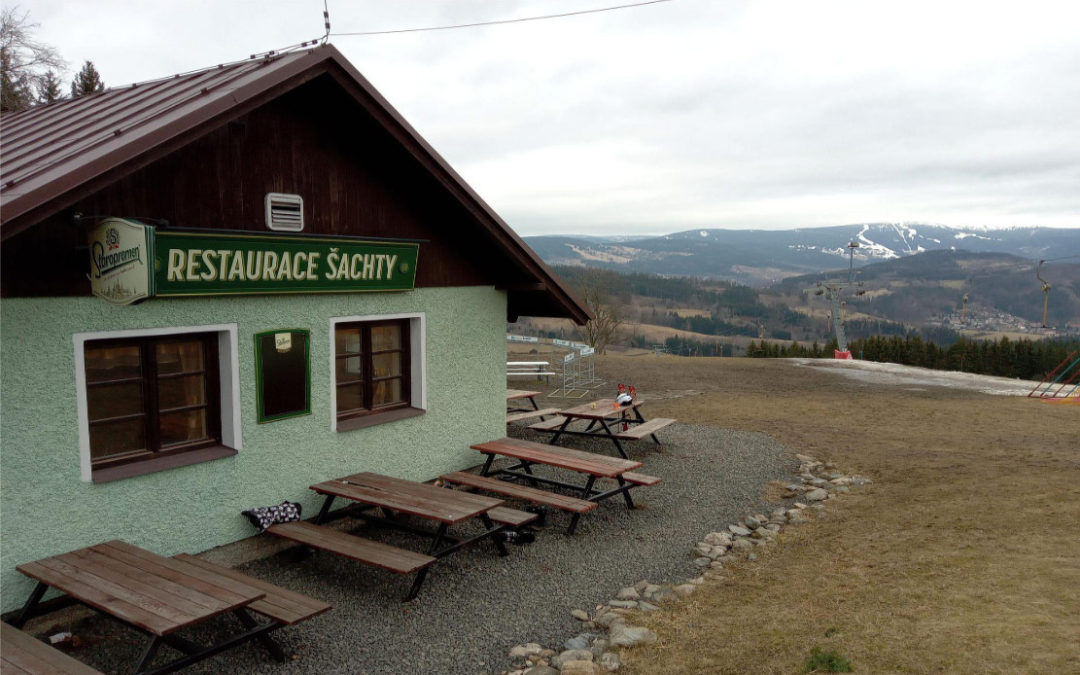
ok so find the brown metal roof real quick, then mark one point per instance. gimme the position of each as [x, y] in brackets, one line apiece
[52, 155]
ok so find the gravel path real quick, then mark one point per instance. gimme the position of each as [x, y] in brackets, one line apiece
[475, 605]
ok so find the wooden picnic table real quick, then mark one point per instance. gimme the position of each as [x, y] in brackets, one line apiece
[444, 507]
[601, 416]
[519, 394]
[589, 465]
[155, 595]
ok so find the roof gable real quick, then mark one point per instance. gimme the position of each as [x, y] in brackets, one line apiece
[56, 154]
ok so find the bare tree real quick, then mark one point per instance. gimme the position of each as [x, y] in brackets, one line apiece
[25, 63]
[601, 331]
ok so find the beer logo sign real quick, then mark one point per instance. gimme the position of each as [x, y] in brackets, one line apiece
[119, 250]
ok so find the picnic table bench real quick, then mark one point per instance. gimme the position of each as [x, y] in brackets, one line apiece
[392, 497]
[515, 412]
[537, 369]
[528, 454]
[160, 596]
[23, 654]
[605, 417]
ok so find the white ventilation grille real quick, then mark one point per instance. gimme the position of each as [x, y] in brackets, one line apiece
[284, 213]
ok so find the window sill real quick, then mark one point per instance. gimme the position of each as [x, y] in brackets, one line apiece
[363, 421]
[161, 463]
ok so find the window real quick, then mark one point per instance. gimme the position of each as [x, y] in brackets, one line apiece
[151, 396]
[371, 365]
[156, 399]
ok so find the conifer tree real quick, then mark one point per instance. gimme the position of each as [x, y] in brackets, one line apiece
[87, 81]
[49, 89]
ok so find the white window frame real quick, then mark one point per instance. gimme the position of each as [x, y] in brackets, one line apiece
[417, 356]
[228, 374]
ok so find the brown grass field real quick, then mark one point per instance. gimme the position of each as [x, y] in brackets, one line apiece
[963, 555]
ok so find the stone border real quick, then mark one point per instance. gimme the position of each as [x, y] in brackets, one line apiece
[592, 651]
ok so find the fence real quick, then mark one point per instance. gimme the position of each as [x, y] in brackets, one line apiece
[578, 366]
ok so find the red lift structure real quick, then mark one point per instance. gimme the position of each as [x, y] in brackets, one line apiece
[1063, 382]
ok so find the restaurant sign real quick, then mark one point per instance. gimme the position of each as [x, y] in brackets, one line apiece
[120, 251]
[199, 263]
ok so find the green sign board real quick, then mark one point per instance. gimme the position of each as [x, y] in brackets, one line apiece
[197, 263]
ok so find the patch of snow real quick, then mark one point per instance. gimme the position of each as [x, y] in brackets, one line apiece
[704, 233]
[893, 374]
[965, 235]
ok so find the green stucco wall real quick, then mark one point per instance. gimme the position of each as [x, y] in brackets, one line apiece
[47, 509]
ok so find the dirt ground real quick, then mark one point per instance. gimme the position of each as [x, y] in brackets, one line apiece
[962, 556]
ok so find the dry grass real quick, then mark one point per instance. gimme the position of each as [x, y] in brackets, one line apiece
[963, 556]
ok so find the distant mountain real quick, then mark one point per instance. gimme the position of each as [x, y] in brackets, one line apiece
[762, 257]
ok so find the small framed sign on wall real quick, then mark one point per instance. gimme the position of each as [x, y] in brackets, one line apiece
[282, 374]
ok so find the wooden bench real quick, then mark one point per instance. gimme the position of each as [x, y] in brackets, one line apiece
[535, 369]
[639, 431]
[23, 654]
[529, 414]
[280, 604]
[384, 556]
[529, 494]
[549, 425]
[640, 479]
[511, 517]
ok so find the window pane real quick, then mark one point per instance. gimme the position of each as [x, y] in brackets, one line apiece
[387, 364]
[114, 400]
[385, 337]
[113, 362]
[179, 357]
[116, 438]
[174, 392]
[387, 392]
[180, 427]
[349, 339]
[350, 369]
[350, 397]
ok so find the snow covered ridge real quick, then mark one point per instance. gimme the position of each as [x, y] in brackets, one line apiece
[915, 378]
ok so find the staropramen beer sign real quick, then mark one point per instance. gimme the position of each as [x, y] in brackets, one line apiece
[120, 255]
[199, 263]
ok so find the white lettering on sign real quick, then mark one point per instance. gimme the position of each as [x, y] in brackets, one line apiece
[283, 342]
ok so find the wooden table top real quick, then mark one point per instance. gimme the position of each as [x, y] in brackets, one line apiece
[520, 393]
[157, 594]
[406, 496]
[590, 463]
[604, 408]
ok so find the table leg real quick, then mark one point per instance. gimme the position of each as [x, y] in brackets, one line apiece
[561, 429]
[437, 539]
[27, 611]
[614, 439]
[486, 471]
[324, 510]
[490, 526]
[532, 399]
[264, 639]
[626, 492]
[147, 655]
[416, 584]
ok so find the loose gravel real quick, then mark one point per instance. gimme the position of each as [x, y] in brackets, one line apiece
[475, 605]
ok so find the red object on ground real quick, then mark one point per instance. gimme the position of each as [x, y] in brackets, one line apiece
[841, 354]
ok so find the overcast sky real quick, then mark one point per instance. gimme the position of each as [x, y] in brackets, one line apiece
[685, 114]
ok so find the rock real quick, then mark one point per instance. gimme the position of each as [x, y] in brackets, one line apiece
[650, 590]
[751, 557]
[609, 661]
[684, 589]
[718, 539]
[580, 614]
[628, 593]
[623, 604]
[741, 544]
[662, 594]
[717, 551]
[570, 655]
[608, 620]
[759, 533]
[703, 561]
[578, 642]
[716, 565]
[701, 548]
[580, 668]
[627, 636]
[647, 606]
[641, 586]
[589, 625]
[599, 646]
[739, 530]
[843, 489]
[525, 651]
[804, 458]
[797, 518]
[816, 495]
[778, 513]
[798, 505]
[752, 522]
[697, 581]
[540, 670]
[860, 480]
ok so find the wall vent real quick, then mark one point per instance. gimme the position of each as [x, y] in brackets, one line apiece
[284, 213]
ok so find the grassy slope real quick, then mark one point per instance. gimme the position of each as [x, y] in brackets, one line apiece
[962, 557]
